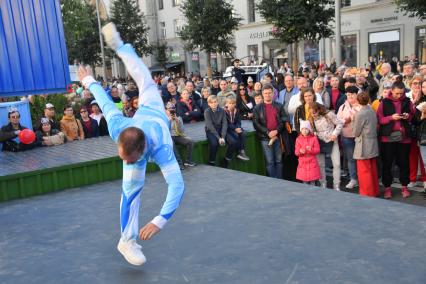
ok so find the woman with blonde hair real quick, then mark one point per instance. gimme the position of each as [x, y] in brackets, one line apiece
[319, 89]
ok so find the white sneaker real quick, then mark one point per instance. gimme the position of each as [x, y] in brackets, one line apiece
[131, 251]
[412, 184]
[336, 187]
[324, 185]
[352, 184]
[112, 36]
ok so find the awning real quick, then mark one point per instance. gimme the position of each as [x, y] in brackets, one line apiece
[156, 68]
[173, 64]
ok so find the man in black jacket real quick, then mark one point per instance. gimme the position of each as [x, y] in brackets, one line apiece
[269, 121]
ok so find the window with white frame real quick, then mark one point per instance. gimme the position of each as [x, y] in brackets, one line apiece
[176, 2]
[251, 17]
[162, 30]
[177, 26]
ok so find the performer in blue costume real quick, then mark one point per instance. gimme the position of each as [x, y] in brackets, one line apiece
[144, 137]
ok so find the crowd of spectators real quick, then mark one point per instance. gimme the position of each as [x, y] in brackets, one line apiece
[319, 119]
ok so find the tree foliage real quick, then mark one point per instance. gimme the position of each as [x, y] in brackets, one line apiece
[129, 19]
[209, 26]
[413, 8]
[160, 52]
[298, 20]
[81, 31]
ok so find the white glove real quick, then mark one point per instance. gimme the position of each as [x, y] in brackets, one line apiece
[112, 36]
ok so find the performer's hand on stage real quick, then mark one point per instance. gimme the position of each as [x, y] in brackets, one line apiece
[148, 231]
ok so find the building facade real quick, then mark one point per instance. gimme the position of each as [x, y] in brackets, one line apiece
[368, 28]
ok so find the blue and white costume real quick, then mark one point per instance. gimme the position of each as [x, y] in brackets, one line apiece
[152, 120]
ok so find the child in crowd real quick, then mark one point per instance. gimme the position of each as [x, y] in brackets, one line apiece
[216, 128]
[307, 148]
[258, 99]
[235, 137]
[179, 137]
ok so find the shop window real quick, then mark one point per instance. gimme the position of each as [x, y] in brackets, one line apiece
[253, 52]
[349, 49]
[421, 44]
[384, 45]
[311, 51]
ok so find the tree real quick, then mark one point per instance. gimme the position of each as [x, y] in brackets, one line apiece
[160, 52]
[210, 25]
[298, 20]
[81, 31]
[129, 20]
[413, 8]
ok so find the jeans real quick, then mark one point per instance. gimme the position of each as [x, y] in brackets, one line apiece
[214, 145]
[273, 157]
[184, 141]
[236, 140]
[335, 159]
[348, 150]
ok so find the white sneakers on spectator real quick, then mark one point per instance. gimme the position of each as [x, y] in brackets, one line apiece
[112, 36]
[412, 184]
[242, 156]
[337, 187]
[131, 251]
[352, 184]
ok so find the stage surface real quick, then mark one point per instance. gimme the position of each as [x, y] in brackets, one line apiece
[232, 227]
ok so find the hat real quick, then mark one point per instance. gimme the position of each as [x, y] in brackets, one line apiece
[305, 124]
[94, 102]
[49, 105]
[352, 90]
[250, 79]
[387, 85]
[44, 120]
[234, 80]
[235, 60]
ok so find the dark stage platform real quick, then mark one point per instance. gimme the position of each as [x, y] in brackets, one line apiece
[232, 227]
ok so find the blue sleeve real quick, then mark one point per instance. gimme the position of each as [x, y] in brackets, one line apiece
[114, 117]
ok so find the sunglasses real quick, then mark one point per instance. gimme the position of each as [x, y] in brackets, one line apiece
[15, 116]
[241, 89]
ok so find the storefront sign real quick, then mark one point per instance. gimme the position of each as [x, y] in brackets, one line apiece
[260, 35]
[175, 56]
[195, 56]
[381, 20]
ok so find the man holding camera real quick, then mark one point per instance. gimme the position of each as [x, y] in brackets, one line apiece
[179, 137]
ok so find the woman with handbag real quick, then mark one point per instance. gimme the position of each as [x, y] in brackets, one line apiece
[327, 127]
[366, 151]
[395, 114]
[417, 97]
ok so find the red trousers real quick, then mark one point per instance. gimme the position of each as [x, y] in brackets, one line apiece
[367, 177]
[415, 158]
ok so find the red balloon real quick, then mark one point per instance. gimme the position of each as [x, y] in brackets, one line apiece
[27, 136]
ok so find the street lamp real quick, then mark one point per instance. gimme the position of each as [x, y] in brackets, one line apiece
[102, 42]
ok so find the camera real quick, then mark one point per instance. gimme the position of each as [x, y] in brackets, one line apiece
[172, 112]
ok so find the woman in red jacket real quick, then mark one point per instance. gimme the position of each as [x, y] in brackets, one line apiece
[307, 148]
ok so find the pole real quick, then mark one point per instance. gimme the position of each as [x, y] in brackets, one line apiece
[338, 48]
[102, 42]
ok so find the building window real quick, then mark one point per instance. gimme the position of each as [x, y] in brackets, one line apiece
[160, 5]
[421, 44]
[311, 51]
[345, 3]
[384, 45]
[162, 30]
[251, 17]
[176, 2]
[253, 52]
[349, 49]
[177, 27]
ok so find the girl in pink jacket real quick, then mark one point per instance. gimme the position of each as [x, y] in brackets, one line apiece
[307, 148]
